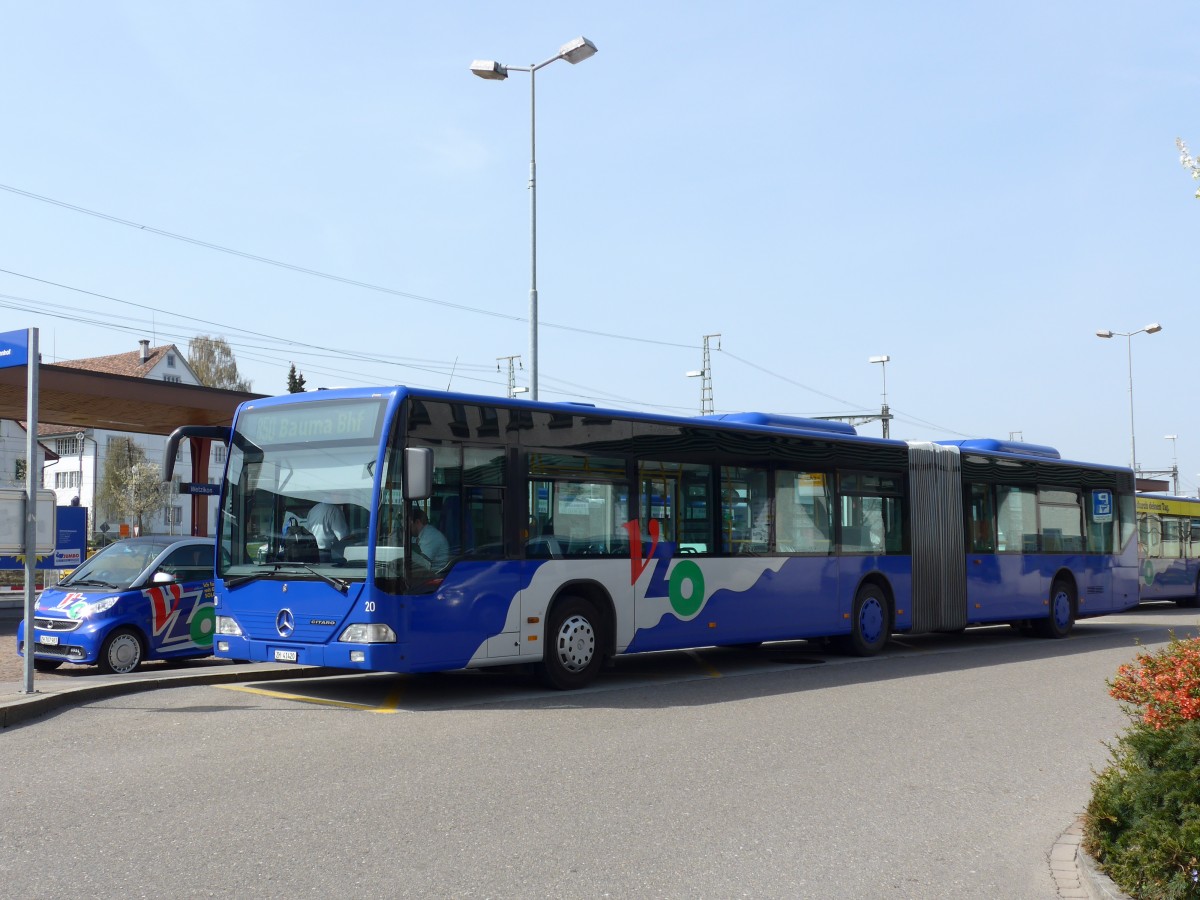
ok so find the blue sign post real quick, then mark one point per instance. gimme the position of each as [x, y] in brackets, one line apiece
[20, 348]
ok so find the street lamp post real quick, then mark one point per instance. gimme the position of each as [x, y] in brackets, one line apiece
[575, 51]
[885, 414]
[1152, 328]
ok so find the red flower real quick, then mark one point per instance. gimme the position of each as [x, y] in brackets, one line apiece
[1164, 686]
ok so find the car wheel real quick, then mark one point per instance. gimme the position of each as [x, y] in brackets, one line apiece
[121, 653]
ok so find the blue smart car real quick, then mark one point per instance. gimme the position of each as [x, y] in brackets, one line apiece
[138, 599]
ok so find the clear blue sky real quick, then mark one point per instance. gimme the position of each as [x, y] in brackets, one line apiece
[971, 188]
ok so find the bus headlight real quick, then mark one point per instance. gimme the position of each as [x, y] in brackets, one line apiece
[372, 633]
[227, 625]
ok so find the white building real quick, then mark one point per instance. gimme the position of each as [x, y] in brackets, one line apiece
[83, 452]
[14, 441]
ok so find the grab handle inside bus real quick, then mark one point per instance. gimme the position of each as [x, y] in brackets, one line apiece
[418, 473]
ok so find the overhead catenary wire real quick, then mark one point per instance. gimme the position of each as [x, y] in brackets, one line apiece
[210, 245]
[317, 273]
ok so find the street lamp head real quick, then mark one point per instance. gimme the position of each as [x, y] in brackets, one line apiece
[879, 359]
[695, 373]
[489, 69]
[577, 51]
[1170, 437]
[1104, 334]
[1152, 328]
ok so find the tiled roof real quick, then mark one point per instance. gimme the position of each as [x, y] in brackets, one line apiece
[51, 456]
[56, 430]
[122, 363]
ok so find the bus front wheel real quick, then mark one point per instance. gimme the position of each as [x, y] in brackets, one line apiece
[870, 621]
[574, 645]
[1062, 611]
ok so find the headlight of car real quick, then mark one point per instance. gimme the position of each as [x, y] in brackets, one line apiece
[100, 606]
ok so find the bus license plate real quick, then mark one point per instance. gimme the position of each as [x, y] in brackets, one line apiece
[285, 656]
[50, 640]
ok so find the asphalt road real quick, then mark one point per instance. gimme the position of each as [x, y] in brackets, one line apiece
[945, 768]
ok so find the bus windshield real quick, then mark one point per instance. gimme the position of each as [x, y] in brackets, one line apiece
[298, 489]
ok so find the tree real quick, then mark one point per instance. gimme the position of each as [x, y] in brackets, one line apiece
[131, 487]
[213, 362]
[1186, 160]
[295, 383]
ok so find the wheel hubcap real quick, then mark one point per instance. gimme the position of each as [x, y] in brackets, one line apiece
[576, 643]
[124, 653]
[1062, 609]
[870, 620]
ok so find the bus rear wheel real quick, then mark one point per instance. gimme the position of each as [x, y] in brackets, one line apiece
[1062, 611]
[870, 621]
[574, 648]
[1193, 600]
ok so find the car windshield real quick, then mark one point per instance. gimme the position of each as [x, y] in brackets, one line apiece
[117, 566]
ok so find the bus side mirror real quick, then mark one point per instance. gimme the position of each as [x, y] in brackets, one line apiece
[418, 473]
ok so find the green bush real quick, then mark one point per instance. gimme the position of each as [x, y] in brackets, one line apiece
[1143, 822]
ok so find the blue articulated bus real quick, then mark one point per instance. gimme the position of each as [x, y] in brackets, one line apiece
[405, 530]
[1169, 548]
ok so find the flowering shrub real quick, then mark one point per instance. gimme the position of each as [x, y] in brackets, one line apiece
[1164, 685]
[1143, 822]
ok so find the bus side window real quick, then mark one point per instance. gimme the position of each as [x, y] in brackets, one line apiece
[981, 520]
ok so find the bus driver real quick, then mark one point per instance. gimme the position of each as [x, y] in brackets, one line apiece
[430, 545]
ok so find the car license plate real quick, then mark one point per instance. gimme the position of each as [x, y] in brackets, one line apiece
[285, 656]
[50, 640]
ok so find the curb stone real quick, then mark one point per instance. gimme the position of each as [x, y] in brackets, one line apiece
[1077, 875]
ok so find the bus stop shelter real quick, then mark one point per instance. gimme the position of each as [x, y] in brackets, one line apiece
[70, 396]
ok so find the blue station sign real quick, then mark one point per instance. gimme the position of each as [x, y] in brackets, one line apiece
[14, 349]
[198, 487]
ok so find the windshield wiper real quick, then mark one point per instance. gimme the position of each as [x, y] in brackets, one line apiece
[339, 583]
[237, 580]
[107, 584]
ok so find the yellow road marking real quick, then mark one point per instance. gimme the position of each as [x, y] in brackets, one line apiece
[703, 663]
[392, 701]
[389, 705]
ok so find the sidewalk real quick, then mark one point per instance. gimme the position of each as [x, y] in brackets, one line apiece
[72, 684]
